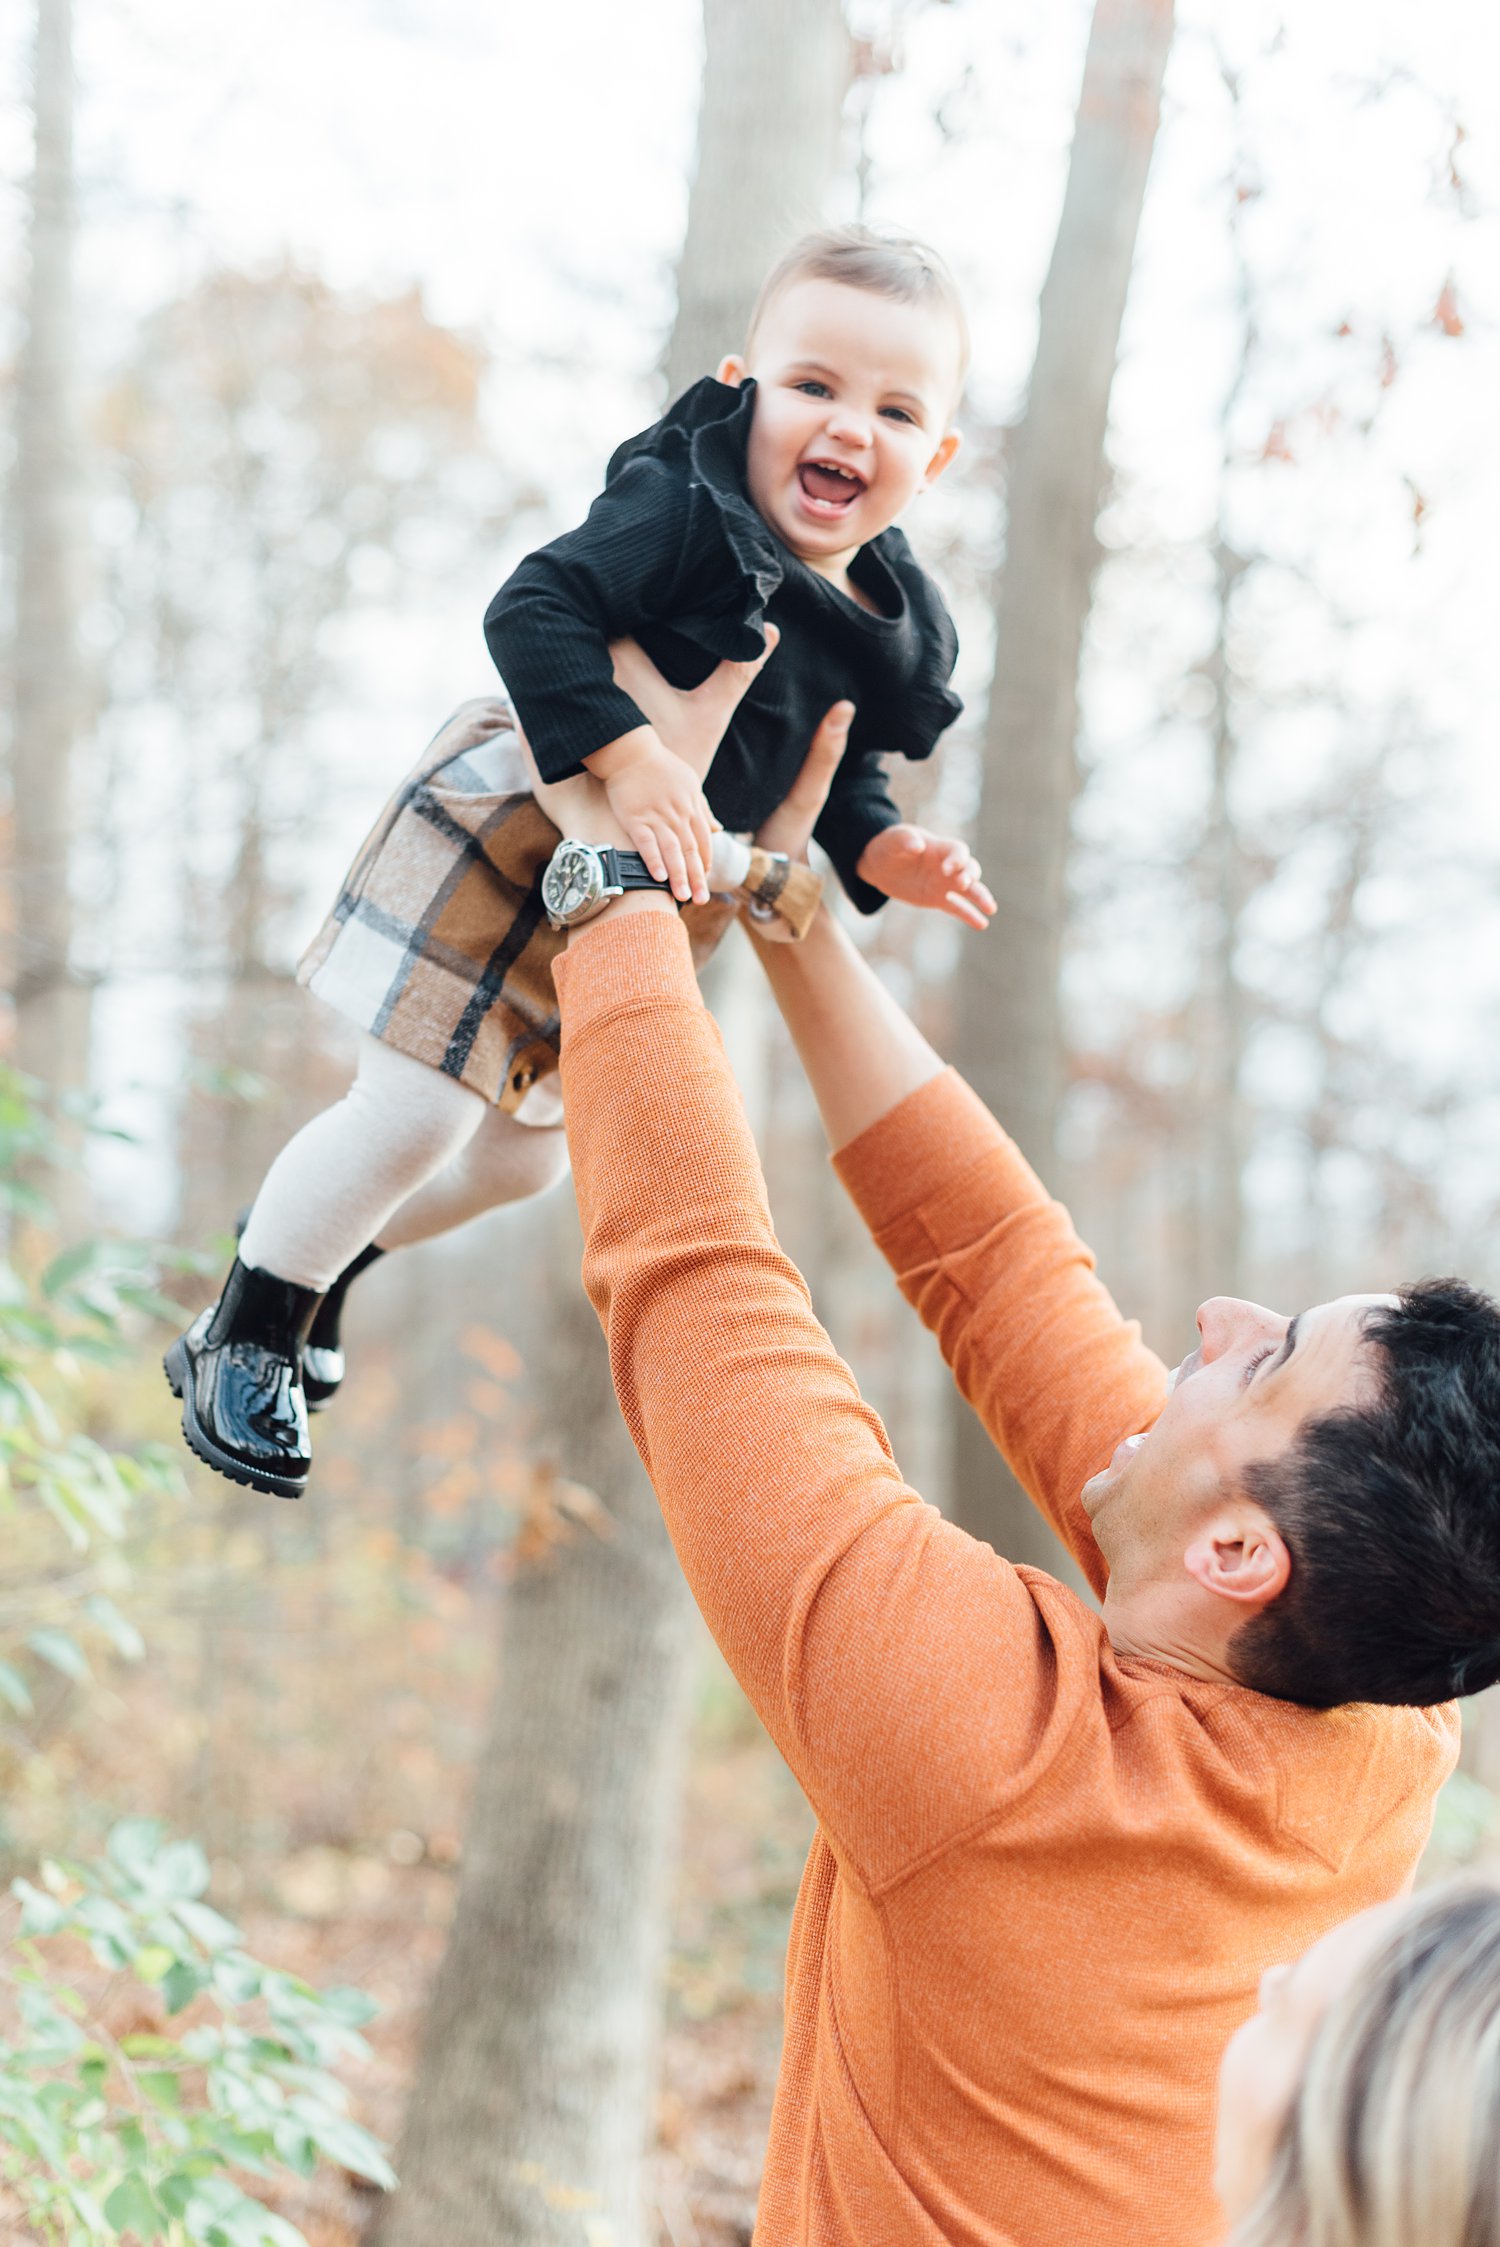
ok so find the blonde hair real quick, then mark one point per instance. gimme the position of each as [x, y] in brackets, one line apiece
[883, 264]
[1393, 2139]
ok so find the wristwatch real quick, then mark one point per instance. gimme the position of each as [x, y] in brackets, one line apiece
[581, 879]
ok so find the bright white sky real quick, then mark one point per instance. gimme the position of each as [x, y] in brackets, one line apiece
[527, 165]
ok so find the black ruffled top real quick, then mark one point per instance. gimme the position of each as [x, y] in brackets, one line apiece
[674, 554]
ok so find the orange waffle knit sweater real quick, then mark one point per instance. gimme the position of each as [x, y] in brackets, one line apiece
[1046, 1878]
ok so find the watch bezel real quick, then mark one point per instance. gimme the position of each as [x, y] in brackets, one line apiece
[600, 889]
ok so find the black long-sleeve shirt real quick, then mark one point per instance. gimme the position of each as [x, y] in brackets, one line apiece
[674, 554]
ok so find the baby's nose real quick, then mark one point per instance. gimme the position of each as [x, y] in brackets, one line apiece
[849, 427]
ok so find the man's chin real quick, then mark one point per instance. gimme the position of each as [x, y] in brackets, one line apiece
[1100, 1488]
[1095, 1492]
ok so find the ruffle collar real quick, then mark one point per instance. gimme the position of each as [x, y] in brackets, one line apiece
[705, 435]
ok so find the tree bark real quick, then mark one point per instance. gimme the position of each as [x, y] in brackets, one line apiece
[534, 2096]
[52, 1006]
[1010, 1040]
[775, 75]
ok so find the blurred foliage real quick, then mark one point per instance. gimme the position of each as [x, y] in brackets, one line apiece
[69, 1499]
[137, 2133]
[126, 2133]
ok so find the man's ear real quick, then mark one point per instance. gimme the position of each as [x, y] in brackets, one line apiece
[1239, 1555]
[731, 370]
[941, 458]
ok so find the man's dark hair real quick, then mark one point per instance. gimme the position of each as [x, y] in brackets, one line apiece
[1391, 1515]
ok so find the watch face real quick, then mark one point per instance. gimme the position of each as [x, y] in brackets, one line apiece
[574, 881]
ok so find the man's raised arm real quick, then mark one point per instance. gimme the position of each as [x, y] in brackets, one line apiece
[893, 1659]
[992, 1264]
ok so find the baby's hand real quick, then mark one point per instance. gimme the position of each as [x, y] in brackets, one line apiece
[659, 801]
[931, 870]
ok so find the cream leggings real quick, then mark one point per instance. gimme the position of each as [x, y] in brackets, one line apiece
[405, 1154]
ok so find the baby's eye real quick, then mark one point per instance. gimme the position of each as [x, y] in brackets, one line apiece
[814, 389]
[898, 413]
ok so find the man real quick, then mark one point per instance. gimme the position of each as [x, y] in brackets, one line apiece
[1055, 1850]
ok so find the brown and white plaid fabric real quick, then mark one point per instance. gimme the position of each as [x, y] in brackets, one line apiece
[438, 942]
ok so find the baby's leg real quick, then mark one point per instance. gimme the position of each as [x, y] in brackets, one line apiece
[344, 1175]
[505, 1161]
[560, 798]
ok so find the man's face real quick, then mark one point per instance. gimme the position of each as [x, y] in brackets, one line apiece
[1242, 1397]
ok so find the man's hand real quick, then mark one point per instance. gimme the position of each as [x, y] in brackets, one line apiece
[928, 870]
[690, 720]
[790, 825]
[659, 801]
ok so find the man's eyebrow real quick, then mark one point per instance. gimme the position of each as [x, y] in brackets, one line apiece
[1287, 1346]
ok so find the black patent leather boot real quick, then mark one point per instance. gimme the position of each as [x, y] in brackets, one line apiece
[238, 1371]
[323, 1353]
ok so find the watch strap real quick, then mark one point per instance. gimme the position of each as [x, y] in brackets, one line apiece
[783, 887]
[626, 869]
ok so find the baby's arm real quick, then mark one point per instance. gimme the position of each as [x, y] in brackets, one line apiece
[878, 855]
[659, 801]
[548, 629]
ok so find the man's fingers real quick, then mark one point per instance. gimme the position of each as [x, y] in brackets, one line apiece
[809, 790]
[759, 662]
[792, 822]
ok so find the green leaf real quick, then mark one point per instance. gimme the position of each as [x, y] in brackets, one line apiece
[153, 1962]
[236, 1977]
[206, 1925]
[162, 2088]
[345, 2142]
[181, 1984]
[181, 1869]
[142, 2046]
[132, 2207]
[13, 1690]
[70, 1265]
[40, 1914]
[64, 1653]
[132, 1846]
[353, 2008]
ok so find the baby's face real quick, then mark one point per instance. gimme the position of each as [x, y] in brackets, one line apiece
[853, 400]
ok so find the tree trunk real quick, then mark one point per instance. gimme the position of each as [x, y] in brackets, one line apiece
[533, 2101]
[52, 1007]
[1010, 1042]
[775, 74]
[534, 2096]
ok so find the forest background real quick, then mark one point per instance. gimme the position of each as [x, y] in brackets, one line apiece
[315, 319]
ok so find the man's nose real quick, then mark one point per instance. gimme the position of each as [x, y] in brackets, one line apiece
[1227, 1321]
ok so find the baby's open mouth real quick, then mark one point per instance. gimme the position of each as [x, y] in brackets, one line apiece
[829, 489]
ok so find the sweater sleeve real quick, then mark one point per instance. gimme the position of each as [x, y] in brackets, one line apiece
[910, 1676]
[997, 1272]
[549, 626]
[859, 807]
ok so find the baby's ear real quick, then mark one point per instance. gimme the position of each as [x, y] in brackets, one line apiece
[942, 457]
[733, 371]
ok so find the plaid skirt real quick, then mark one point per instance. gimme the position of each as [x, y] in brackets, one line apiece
[438, 942]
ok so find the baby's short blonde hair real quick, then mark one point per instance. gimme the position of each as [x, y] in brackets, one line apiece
[884, 264]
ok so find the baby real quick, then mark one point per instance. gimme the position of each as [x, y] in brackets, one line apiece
[767, 496]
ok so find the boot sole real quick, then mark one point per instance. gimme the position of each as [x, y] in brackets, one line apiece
[321, 1401]
[179, 1380]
